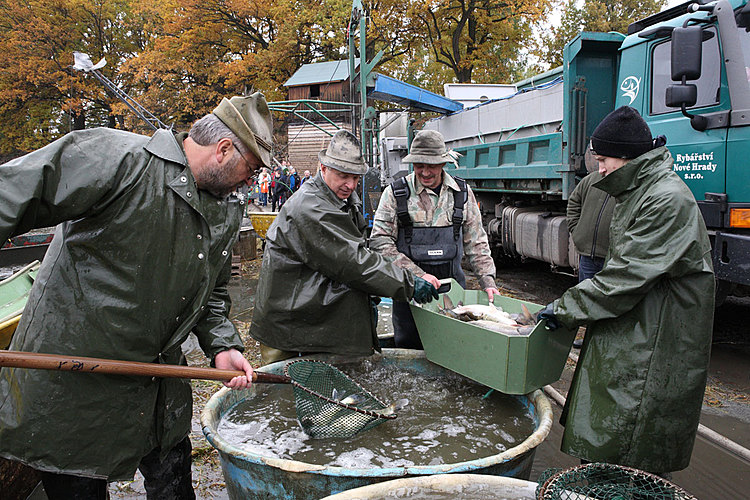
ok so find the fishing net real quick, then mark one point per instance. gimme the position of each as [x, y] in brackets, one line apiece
[599, 481]
[323, 416]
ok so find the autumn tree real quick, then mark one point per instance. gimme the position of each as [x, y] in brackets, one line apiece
[478, 40]
[41, 97]
[178, 58]
[203, 50]
[592, 15]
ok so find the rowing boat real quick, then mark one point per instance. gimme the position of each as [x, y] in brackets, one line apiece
[14, 292]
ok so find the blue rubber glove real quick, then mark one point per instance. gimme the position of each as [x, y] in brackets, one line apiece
[547, 314]
[424, 291]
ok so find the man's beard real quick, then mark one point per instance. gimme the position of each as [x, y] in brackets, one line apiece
[216, 178]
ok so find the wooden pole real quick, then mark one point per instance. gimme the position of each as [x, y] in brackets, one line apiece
[81, 364]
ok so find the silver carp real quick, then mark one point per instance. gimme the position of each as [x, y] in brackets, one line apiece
[341, 421]
[394, 407]
[474, 312]
[490, 317]
[351, 400]
[497, 327]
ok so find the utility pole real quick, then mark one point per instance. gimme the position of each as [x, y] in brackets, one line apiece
[368, 117]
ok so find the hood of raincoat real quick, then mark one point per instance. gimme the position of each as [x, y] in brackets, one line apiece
[637, 391]
[140, 258]
[318, 275]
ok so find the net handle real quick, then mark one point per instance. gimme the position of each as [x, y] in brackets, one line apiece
[82, 364]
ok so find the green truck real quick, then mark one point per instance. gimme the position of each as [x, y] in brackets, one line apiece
[685, 70]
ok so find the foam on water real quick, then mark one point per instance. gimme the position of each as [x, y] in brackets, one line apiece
[463, 492]
[448, 420]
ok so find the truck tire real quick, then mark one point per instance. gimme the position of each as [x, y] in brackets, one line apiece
[723, 289]
[501, 258]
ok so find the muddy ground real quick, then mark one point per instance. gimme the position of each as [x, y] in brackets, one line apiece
[712, 473]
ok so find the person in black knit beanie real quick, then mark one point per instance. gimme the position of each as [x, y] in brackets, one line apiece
[636, 395]
[623, 134]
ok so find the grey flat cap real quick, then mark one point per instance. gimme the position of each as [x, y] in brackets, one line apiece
[344, 154]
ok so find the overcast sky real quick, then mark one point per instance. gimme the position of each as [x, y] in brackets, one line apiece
[554, 19]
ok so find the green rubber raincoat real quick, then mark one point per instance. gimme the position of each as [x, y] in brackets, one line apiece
[317, 277]
[636, 395]
[141, 257]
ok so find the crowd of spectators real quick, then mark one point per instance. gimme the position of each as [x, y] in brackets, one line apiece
[276, 186]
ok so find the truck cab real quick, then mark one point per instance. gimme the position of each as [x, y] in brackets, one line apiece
[709, 135]
[684, 69]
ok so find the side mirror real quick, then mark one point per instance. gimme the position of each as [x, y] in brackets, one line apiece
[677, 95]
[686, 53]
[682, 96]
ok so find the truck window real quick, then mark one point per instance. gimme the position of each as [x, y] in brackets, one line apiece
[745, 41]
[708, 84]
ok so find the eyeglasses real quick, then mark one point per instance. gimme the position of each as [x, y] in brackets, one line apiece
[252, 167]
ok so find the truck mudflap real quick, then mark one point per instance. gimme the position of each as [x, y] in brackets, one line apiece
[732, 257]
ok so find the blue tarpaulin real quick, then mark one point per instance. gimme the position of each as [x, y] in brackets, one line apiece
[398, 92]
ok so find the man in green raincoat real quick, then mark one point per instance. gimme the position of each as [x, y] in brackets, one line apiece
[140, 258]
[637, 391]
[319, 283]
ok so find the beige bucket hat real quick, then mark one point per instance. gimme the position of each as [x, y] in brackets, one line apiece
[250, 120]
[344, 154]
[428, 147]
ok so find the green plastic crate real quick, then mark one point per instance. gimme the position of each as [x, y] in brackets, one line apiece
[508, 363]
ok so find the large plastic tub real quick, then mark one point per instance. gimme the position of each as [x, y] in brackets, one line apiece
[512, 364]
[250, 475]
[445, 486]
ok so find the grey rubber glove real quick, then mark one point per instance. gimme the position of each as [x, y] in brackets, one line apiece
[548, 314]
[424, 291]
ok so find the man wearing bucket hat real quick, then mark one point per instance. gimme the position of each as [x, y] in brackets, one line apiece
[140, 258]
[427, 221]
[319, 281]
[637, 391]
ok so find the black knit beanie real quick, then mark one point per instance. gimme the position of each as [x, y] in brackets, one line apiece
[622, 134]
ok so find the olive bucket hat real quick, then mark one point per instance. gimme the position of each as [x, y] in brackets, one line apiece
[344, 154]
[428, 147]
[250, 120]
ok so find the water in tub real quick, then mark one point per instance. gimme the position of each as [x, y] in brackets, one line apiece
[449, 419]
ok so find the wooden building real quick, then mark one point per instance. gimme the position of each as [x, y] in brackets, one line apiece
[326, 81]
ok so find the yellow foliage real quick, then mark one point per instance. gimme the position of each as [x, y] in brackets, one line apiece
[178, 58]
